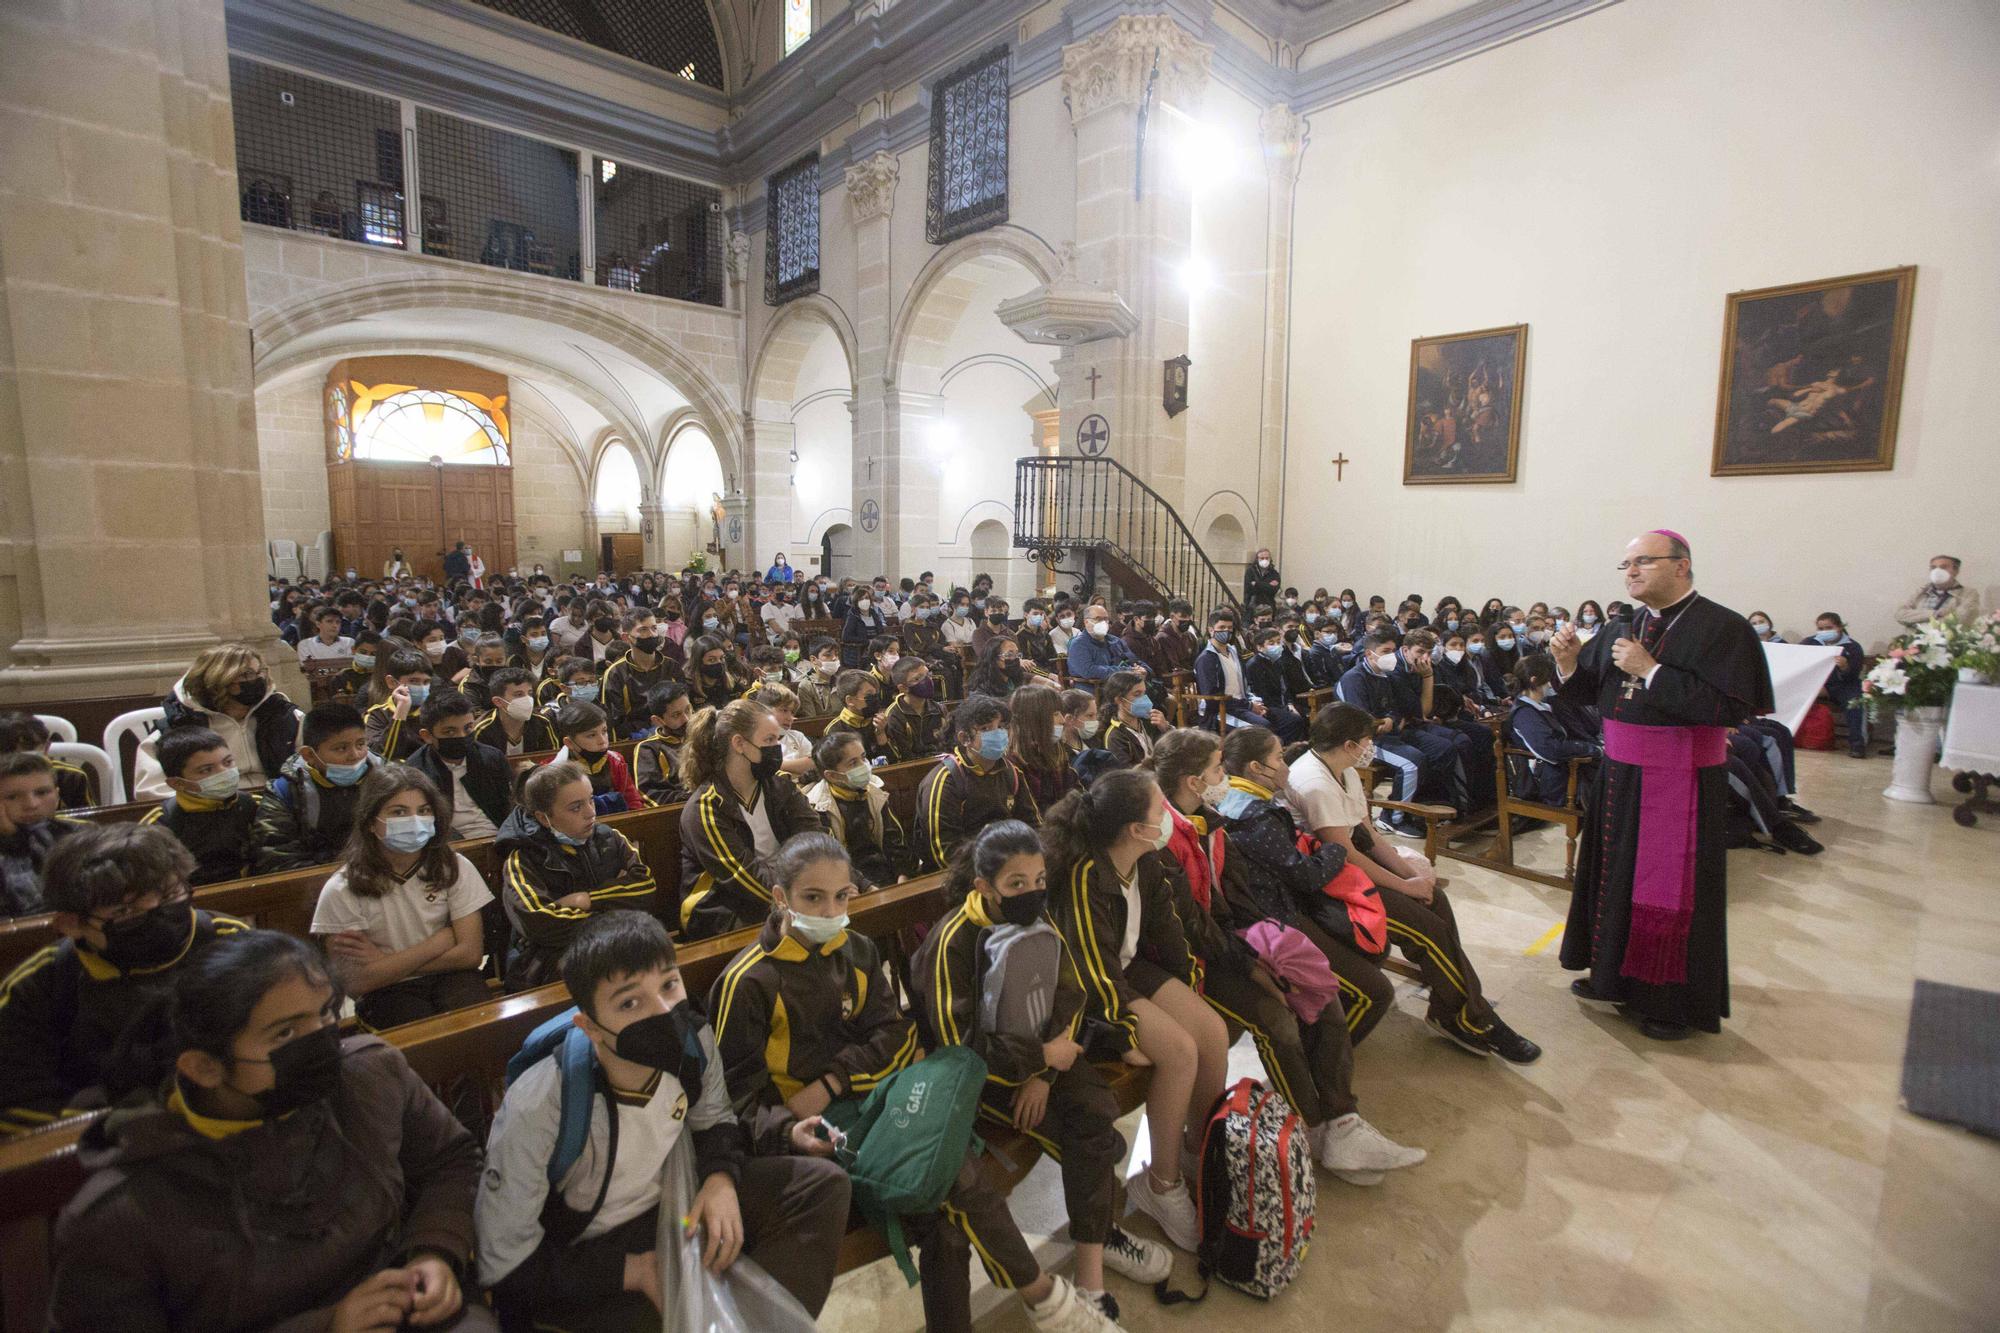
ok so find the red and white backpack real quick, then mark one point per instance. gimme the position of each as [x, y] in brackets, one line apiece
[1255, 1194]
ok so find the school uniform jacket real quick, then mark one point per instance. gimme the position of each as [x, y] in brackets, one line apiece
[537, 871]
[1037, 648]
[1173, 648]
[60, 1012]
[656, 768]
[269, 1226]
[1209, 678]
[1127, 742]
[303, 818]
[949, 974]
[611, 785]
[626, 686]
[538, 734]
[76, 788]
[719, 854]
[488, 779]
[956, 800]
[786, 1014]
[1537, 730]
[394, 738]
[816, 696]
[1266, 679]
[847, 722]
[916, 729]
[1088, 908]
[866, 827]
[216, 833]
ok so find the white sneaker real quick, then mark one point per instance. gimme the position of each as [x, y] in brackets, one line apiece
[1140, 1259]
[1352, 1144]
[1068, 1310]
[1358, 1177]
[1173, 1209]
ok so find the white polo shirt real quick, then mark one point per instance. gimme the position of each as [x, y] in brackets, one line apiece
[1327, 801]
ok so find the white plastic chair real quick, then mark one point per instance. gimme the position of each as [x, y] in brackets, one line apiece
[138, 724]
[110, 786]
[61, 728]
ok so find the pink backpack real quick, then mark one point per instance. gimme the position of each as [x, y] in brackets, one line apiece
[1309, 984]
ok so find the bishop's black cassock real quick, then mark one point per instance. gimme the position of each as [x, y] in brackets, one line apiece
[1712, 674]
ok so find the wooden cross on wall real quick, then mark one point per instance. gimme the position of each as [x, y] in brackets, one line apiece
[1339, 465]
[1093, 377]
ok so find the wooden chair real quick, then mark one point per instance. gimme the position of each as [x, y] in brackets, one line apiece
[1499, 854]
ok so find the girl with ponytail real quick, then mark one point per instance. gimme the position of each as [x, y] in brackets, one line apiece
[743, 808]
[1036, 1081]
[299, 1162]
[1110, 900]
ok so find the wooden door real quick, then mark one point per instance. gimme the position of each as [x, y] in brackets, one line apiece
[622, 552]
[380, 507]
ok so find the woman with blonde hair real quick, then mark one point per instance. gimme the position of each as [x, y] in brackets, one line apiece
[741, 809]
[228, 690]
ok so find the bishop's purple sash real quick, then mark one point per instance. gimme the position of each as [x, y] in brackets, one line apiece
[1663, 872]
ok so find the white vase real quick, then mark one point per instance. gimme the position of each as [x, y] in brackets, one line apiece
[1917, 734]
[1972, 676]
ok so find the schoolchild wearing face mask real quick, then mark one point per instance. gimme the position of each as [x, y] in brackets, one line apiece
[400, 918]
[247, 1120]
[304, 818]
[208, 811]
[855, 804]
[559, 865]
[741, 809]
[126, 917]
[975, 784]
[581, 1254]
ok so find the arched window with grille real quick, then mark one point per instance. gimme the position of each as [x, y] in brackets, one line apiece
[416, 425]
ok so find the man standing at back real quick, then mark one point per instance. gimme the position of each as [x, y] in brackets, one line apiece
[1648, 915]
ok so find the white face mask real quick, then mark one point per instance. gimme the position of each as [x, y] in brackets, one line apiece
[1212, 796]
[1099, 628]
[521, 709]
[1166, 831]
[1367, 754]
[817, 930]
[1940, 577]
[1066, 621]
[1385, 662]
[220, 786]
[1454, 655]
[1262, 563]
[1087, 729]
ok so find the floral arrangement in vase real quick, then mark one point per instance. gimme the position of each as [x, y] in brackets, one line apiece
[1922, 667]
[1975, 647]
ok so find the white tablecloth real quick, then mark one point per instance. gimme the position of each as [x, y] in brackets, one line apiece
[1972, 732]
[1798, 670]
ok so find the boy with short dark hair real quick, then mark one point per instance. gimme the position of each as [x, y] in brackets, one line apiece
[514, 727]
[817, 696]
[975, 785]
[75, 786]
[305, 816]
[392, 732]
[657, 759]
[126, 914]
[580, 1254]
[474, 779]
[574, 678]
[916, 721]
[586, 738]
[29, 828]
[649, 661]
[207, 810]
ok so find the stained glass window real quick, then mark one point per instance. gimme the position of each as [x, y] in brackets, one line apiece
[402, 424]
[968, 170]
[798, 23]
[791, 232]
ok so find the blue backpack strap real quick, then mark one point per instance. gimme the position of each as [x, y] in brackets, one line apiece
[577, 1063]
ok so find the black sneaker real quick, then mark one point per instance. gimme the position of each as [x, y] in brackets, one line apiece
[1798, 814]
[1455, 1031]
[1510, 1045]
[1795, 839]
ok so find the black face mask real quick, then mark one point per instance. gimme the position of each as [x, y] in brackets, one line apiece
[452, 749]
[1023, 909]
[151, 939]
[770, 761]
[307, 1070]
[670, 616]
[647, 644]
[714, 670]
[251, 692]
[670, 1042]
[1011, 670]
[588, 756]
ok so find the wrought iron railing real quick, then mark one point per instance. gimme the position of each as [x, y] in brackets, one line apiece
[1082, 504]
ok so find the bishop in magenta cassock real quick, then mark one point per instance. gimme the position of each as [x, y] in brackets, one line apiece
[1648, 917]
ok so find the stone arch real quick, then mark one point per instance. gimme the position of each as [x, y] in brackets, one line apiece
[277, 370]
[1224, 502]
[670, 439]
[774, 370]
[275, 330]
[924, 322]
[989, 542]
[611, 445]
[1226, 542]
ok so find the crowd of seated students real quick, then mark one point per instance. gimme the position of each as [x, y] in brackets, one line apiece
[1187, 872]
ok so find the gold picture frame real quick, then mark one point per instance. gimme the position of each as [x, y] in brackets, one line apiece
[1812, 375]
[1463, 386]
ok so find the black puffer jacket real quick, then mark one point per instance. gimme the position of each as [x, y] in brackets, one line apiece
[538, 871]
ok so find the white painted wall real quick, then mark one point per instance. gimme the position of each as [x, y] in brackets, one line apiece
[1608, 182]
[823, 433]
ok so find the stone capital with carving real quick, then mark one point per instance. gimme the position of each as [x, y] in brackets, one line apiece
[1284, 133]
[1112, 67]
[739, 255]
[871, 187]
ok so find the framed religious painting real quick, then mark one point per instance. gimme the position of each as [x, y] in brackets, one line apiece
[1812, 375]
[1464, 421]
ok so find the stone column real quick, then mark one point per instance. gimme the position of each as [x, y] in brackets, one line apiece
[1134, 219]
[735, 528]
[909, 469]
[871, 197]
[590, 543]
[653, 524]
[133, 530]
[1284, 133]
[768, 487]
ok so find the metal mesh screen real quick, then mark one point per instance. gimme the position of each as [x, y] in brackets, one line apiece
[673, 35]
[968, 171]
[791, 232]
[497, 198]
[657, 234]
[316, 156]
